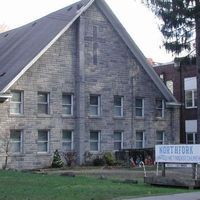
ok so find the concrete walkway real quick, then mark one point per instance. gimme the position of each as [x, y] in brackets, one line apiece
[184, 196]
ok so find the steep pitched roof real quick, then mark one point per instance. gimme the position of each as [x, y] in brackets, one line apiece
[21, 47]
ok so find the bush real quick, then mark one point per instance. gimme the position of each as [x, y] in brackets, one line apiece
[98, 161]
[57, 162]
[70, 158]
[109, 158]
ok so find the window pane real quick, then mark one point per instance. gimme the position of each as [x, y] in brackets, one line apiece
[93, 110]
[15, 108]
[139, 136]
[118, 111]
[159, 104]
[66, 99]
[139, 144]
[15, 147]
[15, 141]
[66, 146]
[117, 146]
[117, 135]
[42, 97]
[16, 96]
[42, 147]
[159, 135]
[117, 101]
[94, 146]
[42, 109]
[42, 135]
[93, 100]
[138, 103]
[139, 112]
[15, 136]
[67, 135]
[67, 110]
[94, 136]
[195, 98]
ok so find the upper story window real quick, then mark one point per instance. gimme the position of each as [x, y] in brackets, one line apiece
[160, 137]
[191, 138]
[118, 106]
[16, 103]
[190, 87]
[16, 141]
[160, 108]
[139, 107]
[43, 141]
[170, 86]
[95, 140]
[95, 105]
[118, 140]
[139, 139]
[67, 140]
[191, 98]
[43, 103]
[67, 104]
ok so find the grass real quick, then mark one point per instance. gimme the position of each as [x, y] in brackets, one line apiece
[29, 186]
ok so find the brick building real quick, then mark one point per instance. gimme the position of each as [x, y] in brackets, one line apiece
[75, 80]
[181, 79]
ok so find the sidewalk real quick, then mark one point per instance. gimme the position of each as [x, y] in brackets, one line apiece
[184, 196]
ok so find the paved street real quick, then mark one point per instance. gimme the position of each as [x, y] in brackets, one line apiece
[184, 196]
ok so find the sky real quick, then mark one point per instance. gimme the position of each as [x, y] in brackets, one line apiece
[138, 20]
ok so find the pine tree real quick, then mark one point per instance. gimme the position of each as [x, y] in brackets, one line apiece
[57, 162]
[181, 31]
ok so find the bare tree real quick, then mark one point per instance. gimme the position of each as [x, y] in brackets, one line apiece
[4, 149]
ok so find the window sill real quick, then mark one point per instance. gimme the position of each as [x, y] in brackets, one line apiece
[17, 115]
[94, 117]
[67, 116]
[139, 118]
[43, 154]
[118, 117]
[17, 154]
[44, 115]
[191, 107]
[160, 118]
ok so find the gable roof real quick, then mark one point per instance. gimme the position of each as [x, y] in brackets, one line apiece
[22, 47]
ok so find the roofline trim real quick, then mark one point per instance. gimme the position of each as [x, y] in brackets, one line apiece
[134, 49]
[47, 47]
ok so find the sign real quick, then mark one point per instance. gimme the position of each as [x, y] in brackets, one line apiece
[177, 153]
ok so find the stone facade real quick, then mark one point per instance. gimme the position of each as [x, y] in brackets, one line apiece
[89, 58]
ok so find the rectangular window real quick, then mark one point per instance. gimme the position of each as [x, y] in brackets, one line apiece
[160, 137]
[191, 138]
[43, 103]
[118, 106]
[16, 103]
[94, 141]
[160, 108]
[139, 139]
[43, 141]
[67, 104]
[139, 107]
[191, 98]
[95, 105]
[16, 141]
[118, 140]
[67, 140]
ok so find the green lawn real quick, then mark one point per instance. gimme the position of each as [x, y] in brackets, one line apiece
[29, 186]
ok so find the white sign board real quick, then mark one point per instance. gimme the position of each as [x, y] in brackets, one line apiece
[177, 153]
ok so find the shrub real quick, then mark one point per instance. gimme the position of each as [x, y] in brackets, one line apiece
[109, 158]
[57, 162]
[70, 158]
[98, 161]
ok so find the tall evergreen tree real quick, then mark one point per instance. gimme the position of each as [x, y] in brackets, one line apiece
[181, 31]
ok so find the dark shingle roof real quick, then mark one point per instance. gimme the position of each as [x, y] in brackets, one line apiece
[21, 45]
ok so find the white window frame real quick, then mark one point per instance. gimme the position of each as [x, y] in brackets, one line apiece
[141, 108]
[20, 103]
[193, 137]
[44, 103]
[19, 142]
[48, 140]
[160, 109]
[96, 141]
[143, 139]
[71, 105]
[121, 140]
[193, 99]
[98, 106]
[120, 107]
[170, 85]
[163, 137]
[68, 141]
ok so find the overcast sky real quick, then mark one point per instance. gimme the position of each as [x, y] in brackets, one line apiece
[136, 18]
